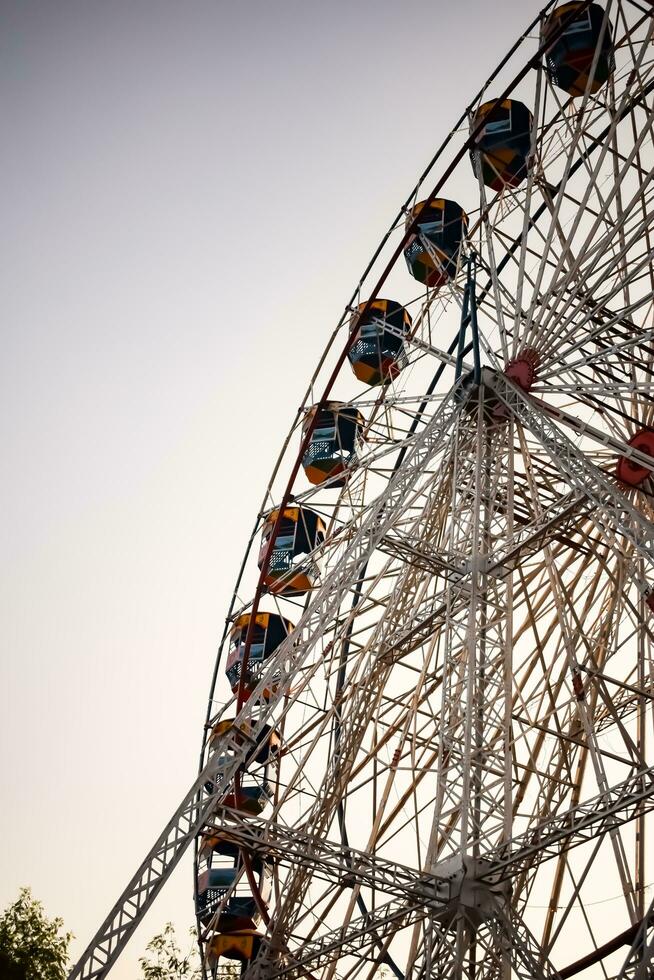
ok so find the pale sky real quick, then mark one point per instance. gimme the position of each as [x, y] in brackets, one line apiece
[189, 193]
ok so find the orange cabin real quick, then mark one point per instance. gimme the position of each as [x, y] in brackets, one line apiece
[501, 150]
[242, 946]
[266, 634]
[432, 251]
[291, 569]
[333, 442]
[378, 352]
[267, 745]
[250, 791]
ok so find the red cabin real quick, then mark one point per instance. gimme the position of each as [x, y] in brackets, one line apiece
[630, 472]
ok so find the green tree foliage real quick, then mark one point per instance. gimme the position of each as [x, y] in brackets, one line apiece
[31, 947]
[164, 959]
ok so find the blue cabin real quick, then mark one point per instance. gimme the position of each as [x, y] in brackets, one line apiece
[225, 866]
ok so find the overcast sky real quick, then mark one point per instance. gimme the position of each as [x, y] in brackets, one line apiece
[189, 192]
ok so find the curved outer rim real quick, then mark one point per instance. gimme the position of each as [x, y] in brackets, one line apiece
[347, 312]
[287, 496]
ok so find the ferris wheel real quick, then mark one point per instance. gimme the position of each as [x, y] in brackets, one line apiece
[428, 749]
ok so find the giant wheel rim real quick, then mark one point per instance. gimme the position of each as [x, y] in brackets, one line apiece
[587, 588]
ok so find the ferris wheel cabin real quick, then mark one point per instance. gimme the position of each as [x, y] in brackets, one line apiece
[251, 791]
[228, 899]
[242, 946]
[378, 353]
[432, 251]
[333, 442]
[267, 633]
[267, 745]
[578, 32]
[225, 873]
[630, 472]
[291, 570]
[501, 151]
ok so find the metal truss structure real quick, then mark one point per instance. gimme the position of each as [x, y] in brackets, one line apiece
[449, 753]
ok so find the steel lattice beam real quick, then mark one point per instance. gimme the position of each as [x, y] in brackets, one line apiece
[374, 523]
[194, 811]
[334, 861]
[143, 888]
[639, 964]
[579, 825]
[598, 489]
[423, 894]
[354, 939]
